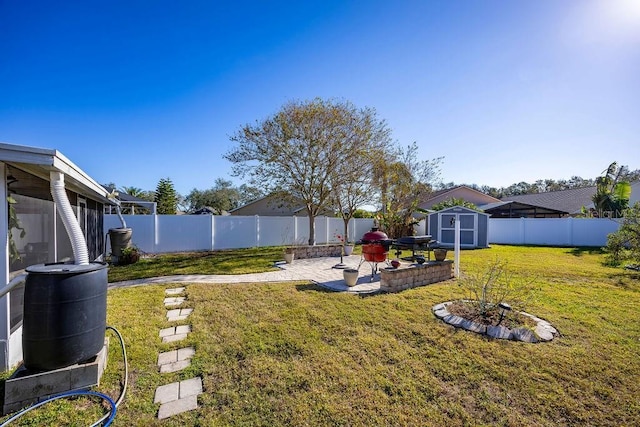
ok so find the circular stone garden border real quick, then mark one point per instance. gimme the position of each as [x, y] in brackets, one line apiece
[542, 332]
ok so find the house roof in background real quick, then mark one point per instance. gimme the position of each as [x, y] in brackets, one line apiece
[568, 201]
[513, 209]
[270, 205]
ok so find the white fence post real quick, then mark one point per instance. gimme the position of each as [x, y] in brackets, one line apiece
[257, 218]
[213, 233]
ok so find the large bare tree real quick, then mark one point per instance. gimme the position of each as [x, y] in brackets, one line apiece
[303, 150]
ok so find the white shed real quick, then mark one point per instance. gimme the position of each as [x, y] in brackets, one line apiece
[473, 227]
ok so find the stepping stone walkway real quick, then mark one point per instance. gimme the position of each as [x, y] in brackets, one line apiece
[174, 333]
[173, 301]
[177, 397]
[175, 360]
[178, 314]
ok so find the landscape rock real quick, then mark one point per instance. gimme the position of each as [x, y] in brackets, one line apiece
[524, 335]
[500, 332]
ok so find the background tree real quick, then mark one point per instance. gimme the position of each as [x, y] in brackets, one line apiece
[249, 193]
[352, 181]
[222, 197]
[139, 193]
[296, 151]
[403, 182]
[451, 202]
[166, 197]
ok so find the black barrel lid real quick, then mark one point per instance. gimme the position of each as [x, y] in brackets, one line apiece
[65, 268]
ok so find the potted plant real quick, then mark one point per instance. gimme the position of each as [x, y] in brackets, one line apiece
[440, 254]
[348, 248]
[130, 255]
[289, 253]
[350, 276]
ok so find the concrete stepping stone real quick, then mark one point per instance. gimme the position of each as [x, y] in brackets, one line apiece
[173, 301]
[178, 314]
[174, 333]
[175, 360]
[178, 397]
[174, 291]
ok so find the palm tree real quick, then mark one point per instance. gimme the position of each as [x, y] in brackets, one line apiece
[612, 192]
[133, 191]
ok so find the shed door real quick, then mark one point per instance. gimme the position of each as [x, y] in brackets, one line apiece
[468, 229]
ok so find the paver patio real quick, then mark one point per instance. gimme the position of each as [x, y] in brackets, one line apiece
[317, 270]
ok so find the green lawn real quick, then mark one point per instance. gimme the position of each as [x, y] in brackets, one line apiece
[294, 354]
[237, 261]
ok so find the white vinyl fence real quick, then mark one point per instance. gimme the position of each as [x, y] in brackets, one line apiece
[176, 233]
[551, 231]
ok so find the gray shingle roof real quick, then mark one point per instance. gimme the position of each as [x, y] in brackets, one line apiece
[569, 201]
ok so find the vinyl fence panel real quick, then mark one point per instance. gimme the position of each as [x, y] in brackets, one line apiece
[551, 231]
[143, 226]
[592, 231]
[182, 233]
[276, 230]
[232, 232]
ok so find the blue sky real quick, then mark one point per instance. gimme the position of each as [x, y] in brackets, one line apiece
[507, 91]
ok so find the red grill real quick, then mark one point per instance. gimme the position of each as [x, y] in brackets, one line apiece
[375, 248]
[374, 252]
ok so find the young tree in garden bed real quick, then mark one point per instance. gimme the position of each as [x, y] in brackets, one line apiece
[308, 150]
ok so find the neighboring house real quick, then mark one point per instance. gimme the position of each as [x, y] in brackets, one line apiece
[273, 206]
[40, 236]
[268, 206]
[552, 204]
[208, 210]
[463, 192]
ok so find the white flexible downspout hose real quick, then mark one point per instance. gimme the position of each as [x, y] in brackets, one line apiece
[119, 212]
[79, 245]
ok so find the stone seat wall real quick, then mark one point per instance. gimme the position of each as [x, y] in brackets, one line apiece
[412, 276]
[320, 251]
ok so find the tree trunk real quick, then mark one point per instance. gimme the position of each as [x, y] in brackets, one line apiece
[346, 228]
[312, 229]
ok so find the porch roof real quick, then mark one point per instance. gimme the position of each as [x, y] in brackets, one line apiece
[41, 161]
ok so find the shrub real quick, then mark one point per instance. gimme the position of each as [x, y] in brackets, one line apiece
[130, 255]
[625, 243]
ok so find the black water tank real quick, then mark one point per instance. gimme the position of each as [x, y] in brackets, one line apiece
[65, 314]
